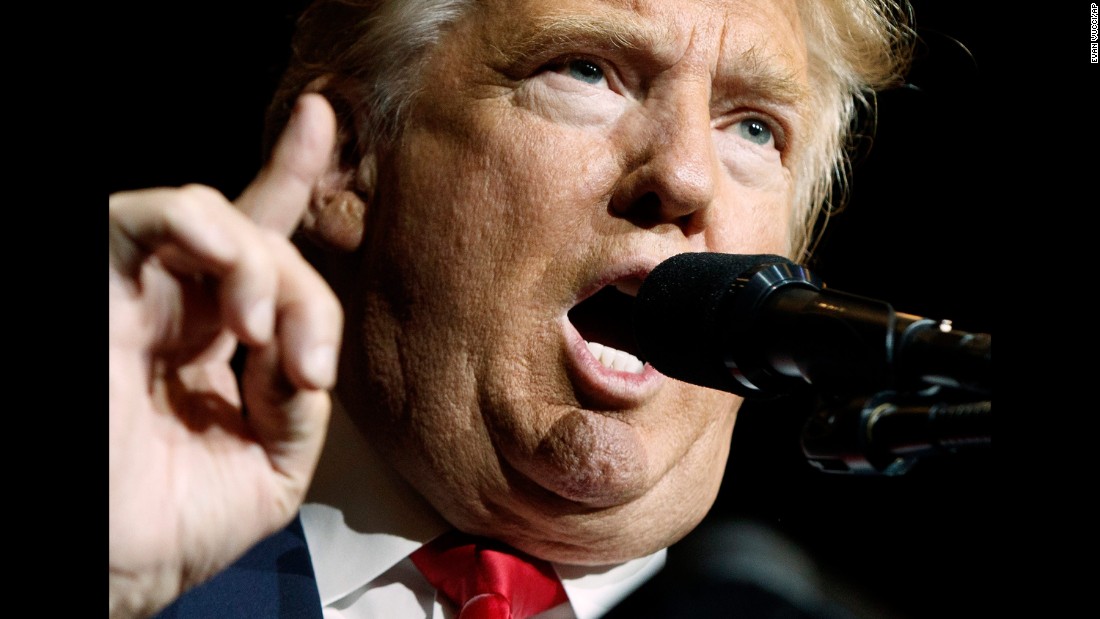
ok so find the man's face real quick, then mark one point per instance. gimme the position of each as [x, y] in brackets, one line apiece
[557, 152]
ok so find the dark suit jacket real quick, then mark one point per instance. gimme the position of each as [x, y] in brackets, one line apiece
[274, 580]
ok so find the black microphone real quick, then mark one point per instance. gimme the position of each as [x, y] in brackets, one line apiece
[887, 434]
[761, 326]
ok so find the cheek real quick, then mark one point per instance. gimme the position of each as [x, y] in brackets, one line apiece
[756, 198]
[752, 221]
[539, 189]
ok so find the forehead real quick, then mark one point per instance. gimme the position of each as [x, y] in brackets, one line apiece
[724, 36]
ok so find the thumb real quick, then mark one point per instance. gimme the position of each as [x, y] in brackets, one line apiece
[279, 195]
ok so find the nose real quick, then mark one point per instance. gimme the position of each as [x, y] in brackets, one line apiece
[672, 169]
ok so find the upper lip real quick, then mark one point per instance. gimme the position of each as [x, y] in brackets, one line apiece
[626, 275]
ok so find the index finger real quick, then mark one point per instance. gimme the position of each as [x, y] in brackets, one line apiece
[279, 195]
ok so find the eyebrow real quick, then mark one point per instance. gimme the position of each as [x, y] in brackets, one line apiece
[754, 73]
[551, 32]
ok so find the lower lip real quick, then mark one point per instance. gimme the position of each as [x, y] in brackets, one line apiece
[603, 385]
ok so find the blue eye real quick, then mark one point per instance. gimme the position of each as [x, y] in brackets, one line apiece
[755, 131]
[584, 71]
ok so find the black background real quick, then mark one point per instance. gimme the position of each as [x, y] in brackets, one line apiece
[189, 86]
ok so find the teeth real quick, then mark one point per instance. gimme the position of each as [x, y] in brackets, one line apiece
[628, 287]
[615, 359]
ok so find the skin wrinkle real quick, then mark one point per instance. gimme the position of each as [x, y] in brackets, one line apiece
[751, 77]
[693, 491]
[471, 265]
[554, 34]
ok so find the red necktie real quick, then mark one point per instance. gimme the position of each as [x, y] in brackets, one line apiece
[486, 579]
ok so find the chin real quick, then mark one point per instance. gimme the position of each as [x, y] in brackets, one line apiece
[605, 539]
[550, 526]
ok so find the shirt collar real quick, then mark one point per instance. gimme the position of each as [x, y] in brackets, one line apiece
[360, 517]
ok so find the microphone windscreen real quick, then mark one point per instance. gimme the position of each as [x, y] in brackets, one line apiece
[679, 320]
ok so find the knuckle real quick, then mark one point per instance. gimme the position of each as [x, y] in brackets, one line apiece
[201, 193]
[195, 200]
[256, 260]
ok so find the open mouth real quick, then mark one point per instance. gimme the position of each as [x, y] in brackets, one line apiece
[604, 321]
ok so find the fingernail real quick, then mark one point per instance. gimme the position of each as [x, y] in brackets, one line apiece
[260, 319]
[319, 365]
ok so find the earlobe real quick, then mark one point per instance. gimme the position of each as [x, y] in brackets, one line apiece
[337, 212]
[335, 221]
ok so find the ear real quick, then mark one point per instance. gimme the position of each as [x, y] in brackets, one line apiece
[337, 213]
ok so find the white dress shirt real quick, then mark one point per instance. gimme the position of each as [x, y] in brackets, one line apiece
[362, 521]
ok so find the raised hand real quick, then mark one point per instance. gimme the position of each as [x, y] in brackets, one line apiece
[201, 467]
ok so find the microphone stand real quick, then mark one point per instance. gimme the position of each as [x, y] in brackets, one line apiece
[887, 433]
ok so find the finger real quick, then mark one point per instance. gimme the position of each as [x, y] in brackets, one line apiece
[309, 320]
[278, 196]
[196, 231]
[289, 422]
[140, 222]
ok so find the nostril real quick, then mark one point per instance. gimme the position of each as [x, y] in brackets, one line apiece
[643, 211]
[649, 211]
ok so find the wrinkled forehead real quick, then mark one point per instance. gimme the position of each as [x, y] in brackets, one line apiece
[731, 39]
